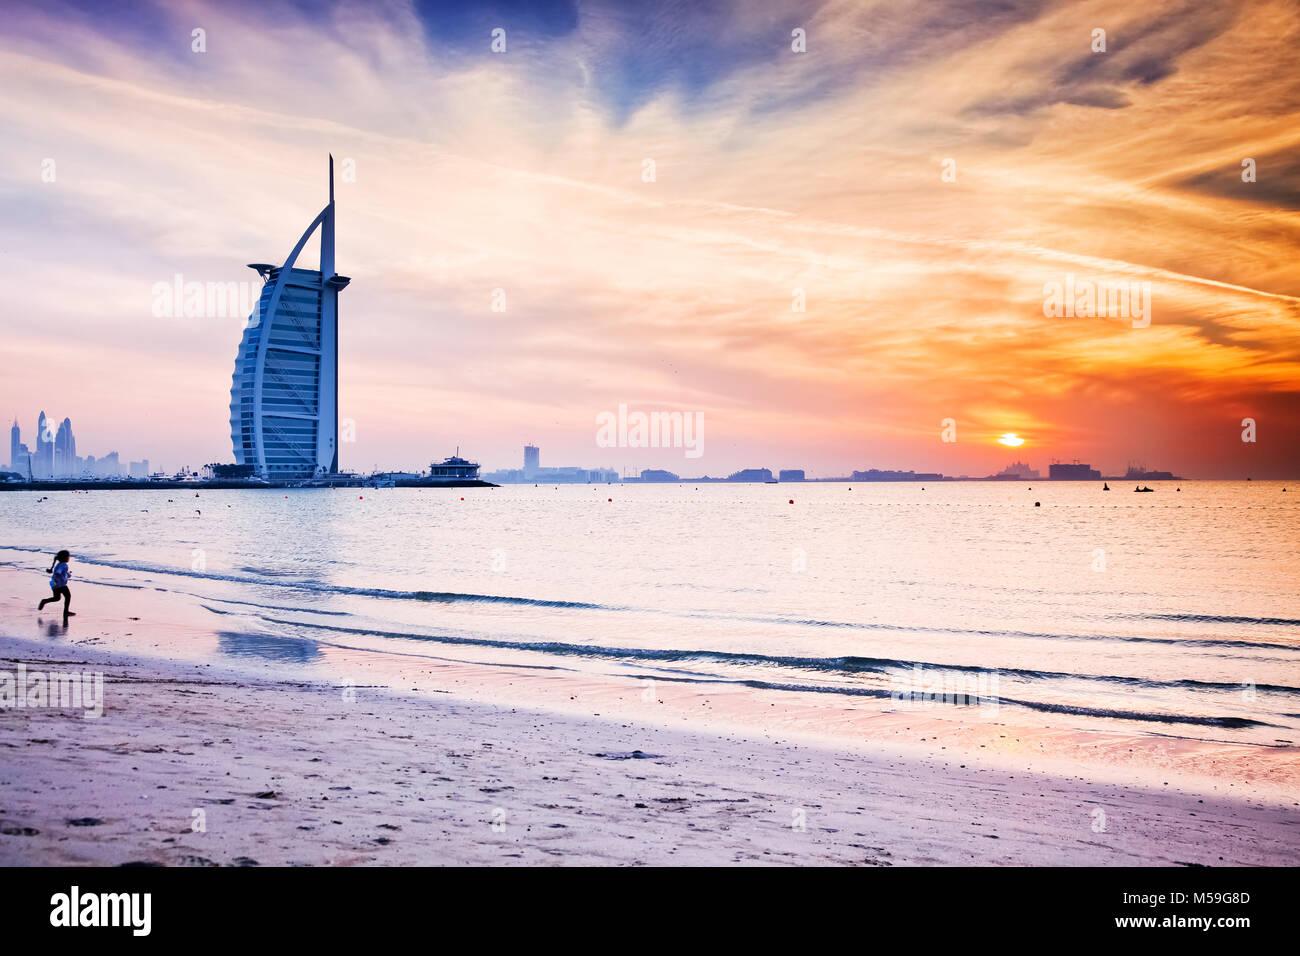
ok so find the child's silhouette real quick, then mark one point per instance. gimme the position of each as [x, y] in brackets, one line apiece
[59, 584]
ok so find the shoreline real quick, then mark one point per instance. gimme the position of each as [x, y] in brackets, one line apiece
[286, 772]
[233, 485]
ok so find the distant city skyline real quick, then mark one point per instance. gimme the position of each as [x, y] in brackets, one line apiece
[825, 252]
[55, 454]
[532, 471]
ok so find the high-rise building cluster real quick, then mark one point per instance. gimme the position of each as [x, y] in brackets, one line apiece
[55, 455]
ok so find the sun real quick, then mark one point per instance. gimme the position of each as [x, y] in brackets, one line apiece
[1011, 440]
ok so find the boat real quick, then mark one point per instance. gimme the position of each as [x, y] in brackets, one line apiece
[1143, 488]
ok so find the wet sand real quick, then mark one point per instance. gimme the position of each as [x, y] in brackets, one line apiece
[286, 772]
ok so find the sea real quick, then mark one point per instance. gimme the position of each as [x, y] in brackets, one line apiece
[1174, 612]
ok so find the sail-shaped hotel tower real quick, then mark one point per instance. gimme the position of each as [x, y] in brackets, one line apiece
[284, 396]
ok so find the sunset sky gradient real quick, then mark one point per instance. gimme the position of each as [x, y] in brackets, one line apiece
[775, 171]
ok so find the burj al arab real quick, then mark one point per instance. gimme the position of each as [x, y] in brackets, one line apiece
[284, 393]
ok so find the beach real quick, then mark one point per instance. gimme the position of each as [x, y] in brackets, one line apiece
[195, 764]
[290, 774]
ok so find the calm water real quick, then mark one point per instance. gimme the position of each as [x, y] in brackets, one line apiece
[1144, 612]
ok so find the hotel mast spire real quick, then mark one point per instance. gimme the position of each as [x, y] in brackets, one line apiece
[327, 231]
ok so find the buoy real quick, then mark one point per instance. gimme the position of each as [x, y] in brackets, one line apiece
[462, 498]
[609, 499]
[1038, 504]
[359, 497]
[791, 501]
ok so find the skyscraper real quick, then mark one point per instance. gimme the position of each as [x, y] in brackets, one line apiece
[43, 460]
[532, 460]
[284, 393]
[15, 440]
[65, 450]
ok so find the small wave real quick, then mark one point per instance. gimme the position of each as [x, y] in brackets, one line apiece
[858, 664]
[262, 607]
[108, 584]
[1037, 705]
[848, 665]
[447, 597]
[1221, 619]
[269, 573]
[439, 597]
[1003, 632]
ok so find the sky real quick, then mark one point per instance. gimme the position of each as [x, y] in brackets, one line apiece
[822, 254]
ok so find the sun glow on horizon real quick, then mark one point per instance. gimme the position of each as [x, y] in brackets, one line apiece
[1011, 440]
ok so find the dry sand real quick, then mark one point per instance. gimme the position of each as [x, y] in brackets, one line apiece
[293, 773]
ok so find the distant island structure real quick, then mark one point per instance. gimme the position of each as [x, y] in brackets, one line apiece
[1138, 472]
[874, 474]
[284, 391]
[1073, 471]
[533, 473]
[1016, 471]
[454, 468]
[452, 472]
